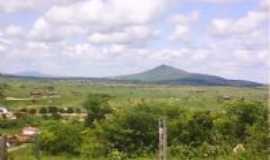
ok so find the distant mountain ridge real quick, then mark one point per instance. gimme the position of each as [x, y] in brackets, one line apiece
[162, 74]
[31, 74]
[165, 74]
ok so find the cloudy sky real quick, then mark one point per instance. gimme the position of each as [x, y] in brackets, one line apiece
[114, 37]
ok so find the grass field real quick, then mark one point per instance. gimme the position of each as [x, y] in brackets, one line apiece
[72, 94]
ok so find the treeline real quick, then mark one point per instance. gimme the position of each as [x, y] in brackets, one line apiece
[240, 131]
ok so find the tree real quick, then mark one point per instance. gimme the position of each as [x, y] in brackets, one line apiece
[198, 129]
[244, 115]
[70, 110]
[1, 92]
[59, 137]
[97, 107]
[52, 109]
[43, 110]
[131, 130]
[32, 111]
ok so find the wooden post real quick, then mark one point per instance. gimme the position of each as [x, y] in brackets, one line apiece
[162, 154]
[36, 148]
[3, 148]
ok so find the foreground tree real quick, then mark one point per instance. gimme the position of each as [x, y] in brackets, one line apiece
[59, 137]
[97, 107]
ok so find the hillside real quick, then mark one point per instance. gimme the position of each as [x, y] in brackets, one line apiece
[162, 74]
[165, 74]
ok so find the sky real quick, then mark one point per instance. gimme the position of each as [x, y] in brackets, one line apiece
[96, 38]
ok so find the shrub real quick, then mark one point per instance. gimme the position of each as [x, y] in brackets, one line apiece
[97, 107]
[32, 111]
[244, 115]
[132, 131]
[43, 110]
[52, 109]
[24, 110]
[60, 137]
[70, 110]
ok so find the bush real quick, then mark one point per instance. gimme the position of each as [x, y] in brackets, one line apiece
[70, 110]
[131, 131]
[243, 115]
[8, 124]
[25, 110]
[198, 129]
[32, 111]
[43, 110]
[78, 110]
[92, 146]
[60, 137]
[97, 107]
[52, 109]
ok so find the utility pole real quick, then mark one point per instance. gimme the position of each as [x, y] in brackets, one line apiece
[162, 154]
[3, 148]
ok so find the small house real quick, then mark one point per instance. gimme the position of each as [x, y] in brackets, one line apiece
[30, 131]
[226, 97]
[27, 135]
[36, 93]
[3, 110]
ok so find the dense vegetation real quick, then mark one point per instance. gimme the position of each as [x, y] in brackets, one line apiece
[122, 121]
[131, 132]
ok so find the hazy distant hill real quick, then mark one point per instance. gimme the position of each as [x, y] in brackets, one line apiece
[165, 74]
[31, 74]
[162, 74]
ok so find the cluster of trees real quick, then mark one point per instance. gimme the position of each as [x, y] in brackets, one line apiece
[3, 88]
[128, 132]
[51, 110]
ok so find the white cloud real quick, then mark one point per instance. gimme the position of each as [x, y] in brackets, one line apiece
[218, 1]
[180, 32]
[130, 35]
[95, 16]
[14, 31]
[265, 4]
[11, 6]
[182, 25]
[244, 25]
[2, 48]
[245, 39]
[111, 12]
[43, 31]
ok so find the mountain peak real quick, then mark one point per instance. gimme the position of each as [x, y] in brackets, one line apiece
[167, 68]
[163, 66]
[159, 73]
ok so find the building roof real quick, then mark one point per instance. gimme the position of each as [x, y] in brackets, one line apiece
[3, 110]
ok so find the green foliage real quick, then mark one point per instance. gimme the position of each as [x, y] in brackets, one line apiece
[60, 137]
[32, 111]
[92, 146]
[5, 124]
[97, 107]
[70, 110]
[132, 130]
[52, 109]
[243, 115]
[199, 127]
[196, 130]
[43, 110]
[116, 155]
